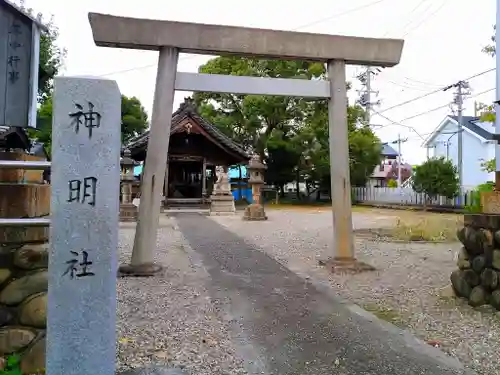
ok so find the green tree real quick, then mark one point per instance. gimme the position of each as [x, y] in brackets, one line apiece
[436, 177]
[490, 48]
[251, 119]
[290, 133]
[134, 120]
[364, 145]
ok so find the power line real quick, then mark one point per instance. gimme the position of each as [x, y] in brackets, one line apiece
[335, 15]
[399, 124]
[410, 13]
[425, 19]
[441, 107]
[433, 92]
[321, 20]
[406, 86]
[420, 135]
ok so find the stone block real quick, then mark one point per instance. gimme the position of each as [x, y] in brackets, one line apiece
[486, 221]
[222, 205]
[19, 289]
[128, 212]
[20, 175]
[32, 256]
[254, 212]
[85, 178]
[33, 360]
[24, 200]
[14, 339]
[490, 202]
[33, 311]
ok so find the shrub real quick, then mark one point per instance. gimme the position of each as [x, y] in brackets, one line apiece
[475, 197]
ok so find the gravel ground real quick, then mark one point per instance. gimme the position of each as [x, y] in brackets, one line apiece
[170, 320]
[409, 288]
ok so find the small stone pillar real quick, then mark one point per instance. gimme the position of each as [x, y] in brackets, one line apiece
[128, 211]
[255, 211]
[222, 200]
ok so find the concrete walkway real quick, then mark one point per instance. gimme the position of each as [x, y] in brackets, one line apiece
[284, 325]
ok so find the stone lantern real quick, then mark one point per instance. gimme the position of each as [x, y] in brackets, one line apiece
[128, 211]
[255, 211]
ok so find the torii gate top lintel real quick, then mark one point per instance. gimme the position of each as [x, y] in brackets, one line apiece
[147, 34]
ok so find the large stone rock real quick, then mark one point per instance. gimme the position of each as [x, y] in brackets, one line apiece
[18, 290]
[13, 339]
[6, 316]
[478, 296]
[489, 279]
[463, 259]
[469, 238]
[4, 275]
[496, 260]
[479, 263]
[485, 240]
[33, 361]
[471, 277]
[33, 311]
[32, 256]
[495, 299]
[460, 286]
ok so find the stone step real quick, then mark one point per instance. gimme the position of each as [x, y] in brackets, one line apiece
[187, 210]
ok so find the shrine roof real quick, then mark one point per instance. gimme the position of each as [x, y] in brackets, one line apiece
[188, 110]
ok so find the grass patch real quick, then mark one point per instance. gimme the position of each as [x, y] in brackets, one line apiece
[415, 227]
[427, 227]
[385, 313]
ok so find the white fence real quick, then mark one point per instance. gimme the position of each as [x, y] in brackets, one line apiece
[406, 196]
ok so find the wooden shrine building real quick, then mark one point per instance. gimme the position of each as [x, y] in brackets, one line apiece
[196, 148]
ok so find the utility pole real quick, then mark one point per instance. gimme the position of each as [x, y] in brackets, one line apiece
[497, 99]
[399, 141]
[368, 94]
[462, 89]
[365, 99]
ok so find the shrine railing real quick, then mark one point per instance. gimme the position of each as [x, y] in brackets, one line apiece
[24, 222]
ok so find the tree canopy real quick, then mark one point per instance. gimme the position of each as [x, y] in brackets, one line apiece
[289, 133]
[435, 177]
[488, 111]
[134, 118]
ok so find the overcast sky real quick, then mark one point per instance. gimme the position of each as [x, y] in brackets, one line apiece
[443, 44]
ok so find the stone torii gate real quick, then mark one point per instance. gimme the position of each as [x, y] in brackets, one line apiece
[170, 38]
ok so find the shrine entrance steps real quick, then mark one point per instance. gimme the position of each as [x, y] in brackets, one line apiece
[174, 206]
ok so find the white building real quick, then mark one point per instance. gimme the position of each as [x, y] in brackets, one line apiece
[478, 146]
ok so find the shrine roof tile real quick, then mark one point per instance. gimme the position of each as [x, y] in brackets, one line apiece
[188, 110]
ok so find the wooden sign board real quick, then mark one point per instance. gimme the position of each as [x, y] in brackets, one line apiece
[19, 59]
